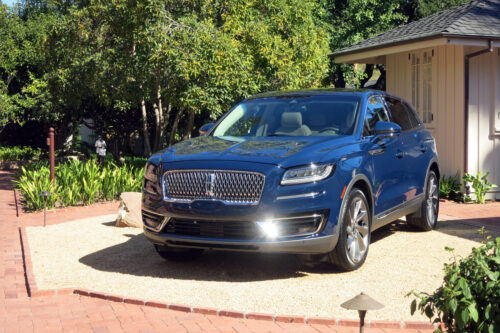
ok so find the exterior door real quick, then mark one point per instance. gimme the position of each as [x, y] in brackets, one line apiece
[386, 156]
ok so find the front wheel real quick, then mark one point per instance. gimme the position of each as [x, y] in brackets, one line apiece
[426, 218]
[354, 233]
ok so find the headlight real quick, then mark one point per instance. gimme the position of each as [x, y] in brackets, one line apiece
[307, 174]
[150, 173]
[150, 184]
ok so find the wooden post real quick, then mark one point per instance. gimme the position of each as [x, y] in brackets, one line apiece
[52, 155]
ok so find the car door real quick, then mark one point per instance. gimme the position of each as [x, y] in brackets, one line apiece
[387, 167]
[415, 155]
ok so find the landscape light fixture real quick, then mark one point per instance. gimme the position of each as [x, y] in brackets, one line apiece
[45, 195]
[362, 303]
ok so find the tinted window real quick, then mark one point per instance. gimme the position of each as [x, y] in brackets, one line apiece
[291, 115]
[415, 121]
[375, 112]
[400, 114]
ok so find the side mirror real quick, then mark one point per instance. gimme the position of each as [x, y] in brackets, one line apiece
[386, 128]
[205, 128]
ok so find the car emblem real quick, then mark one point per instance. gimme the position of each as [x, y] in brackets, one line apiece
[210, 184]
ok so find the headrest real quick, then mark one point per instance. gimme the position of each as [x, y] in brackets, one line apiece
[291, 119]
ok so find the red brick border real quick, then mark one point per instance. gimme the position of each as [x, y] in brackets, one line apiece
[34, 292]
[28, 271]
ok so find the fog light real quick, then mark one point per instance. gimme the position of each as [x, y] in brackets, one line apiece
[270, 228]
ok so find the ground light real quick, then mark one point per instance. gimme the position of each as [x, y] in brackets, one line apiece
[45, 195]
[362, 303]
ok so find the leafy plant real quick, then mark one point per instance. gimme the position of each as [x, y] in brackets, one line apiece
[468, 300]
[449, 188]
[78, 182]
[17, 153]
[480, 184]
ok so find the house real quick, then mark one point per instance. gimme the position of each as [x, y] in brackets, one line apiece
[447, 66]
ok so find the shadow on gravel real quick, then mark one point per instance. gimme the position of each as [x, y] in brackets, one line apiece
[137, 257]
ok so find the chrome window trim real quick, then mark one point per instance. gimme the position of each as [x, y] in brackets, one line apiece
[227, 202]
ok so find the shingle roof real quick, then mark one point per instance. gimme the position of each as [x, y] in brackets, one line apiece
[478, 18]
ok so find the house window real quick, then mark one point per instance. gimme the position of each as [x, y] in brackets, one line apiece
[421, 84]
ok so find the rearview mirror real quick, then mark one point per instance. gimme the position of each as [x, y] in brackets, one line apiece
[387, 128]
[205, 128]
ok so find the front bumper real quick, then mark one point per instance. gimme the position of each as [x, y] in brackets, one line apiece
[302, 245]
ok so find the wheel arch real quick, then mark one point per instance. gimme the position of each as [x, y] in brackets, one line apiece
[434, 167]
[361, 182]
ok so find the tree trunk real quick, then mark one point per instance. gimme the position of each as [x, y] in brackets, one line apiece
[174, 127]
[380, 85]
[368, 75]
[339, 78]
[156, 142]
[145, 131]
[161, 127]
[189, 127]
[166, 120]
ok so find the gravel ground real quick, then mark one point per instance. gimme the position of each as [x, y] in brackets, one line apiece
[93, 254]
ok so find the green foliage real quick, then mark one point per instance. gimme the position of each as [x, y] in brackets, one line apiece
[480, 184]
[449, 188]
[78, 182]
[468, 299]
[17, 153]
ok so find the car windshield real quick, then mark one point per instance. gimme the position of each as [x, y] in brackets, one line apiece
[317, 115]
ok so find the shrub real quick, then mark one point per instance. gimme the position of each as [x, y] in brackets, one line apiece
[77, 182]
[468, 300]
[449, 188]
[480, 184]
[17, 153]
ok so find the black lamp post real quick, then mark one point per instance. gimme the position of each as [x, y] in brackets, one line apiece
[45, 195]
[362, 303]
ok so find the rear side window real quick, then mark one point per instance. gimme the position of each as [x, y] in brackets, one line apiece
[401, 114]
[415, 121]
[375, 112]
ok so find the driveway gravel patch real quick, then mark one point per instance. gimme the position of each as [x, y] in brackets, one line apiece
[92, 254]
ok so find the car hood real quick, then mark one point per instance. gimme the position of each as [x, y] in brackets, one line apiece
[269, 150]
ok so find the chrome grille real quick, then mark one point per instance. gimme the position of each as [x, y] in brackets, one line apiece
[232, 187]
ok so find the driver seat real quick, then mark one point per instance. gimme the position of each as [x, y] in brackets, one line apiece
[291, 125]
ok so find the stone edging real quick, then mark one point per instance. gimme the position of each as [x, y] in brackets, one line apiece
[34, 292]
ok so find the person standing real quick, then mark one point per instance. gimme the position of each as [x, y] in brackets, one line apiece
[100, 149]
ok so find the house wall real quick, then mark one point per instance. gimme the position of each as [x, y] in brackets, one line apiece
[447, 94]
[484, 115]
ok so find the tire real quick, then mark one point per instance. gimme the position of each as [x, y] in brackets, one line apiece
[178, 254]
[354, 233]
[426, 217]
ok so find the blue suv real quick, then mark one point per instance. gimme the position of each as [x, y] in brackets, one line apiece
[306, 172]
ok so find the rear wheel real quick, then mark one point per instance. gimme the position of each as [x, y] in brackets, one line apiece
[354, 233]
[178, 254]
[426, 217]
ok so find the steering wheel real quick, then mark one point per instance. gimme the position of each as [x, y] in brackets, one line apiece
[330, 129]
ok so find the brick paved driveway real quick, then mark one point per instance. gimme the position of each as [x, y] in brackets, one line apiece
[21, 313]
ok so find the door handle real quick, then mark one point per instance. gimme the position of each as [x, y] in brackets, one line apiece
[400, 154]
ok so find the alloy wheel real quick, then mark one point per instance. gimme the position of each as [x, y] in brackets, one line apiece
[432, 200]
[357, 230]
